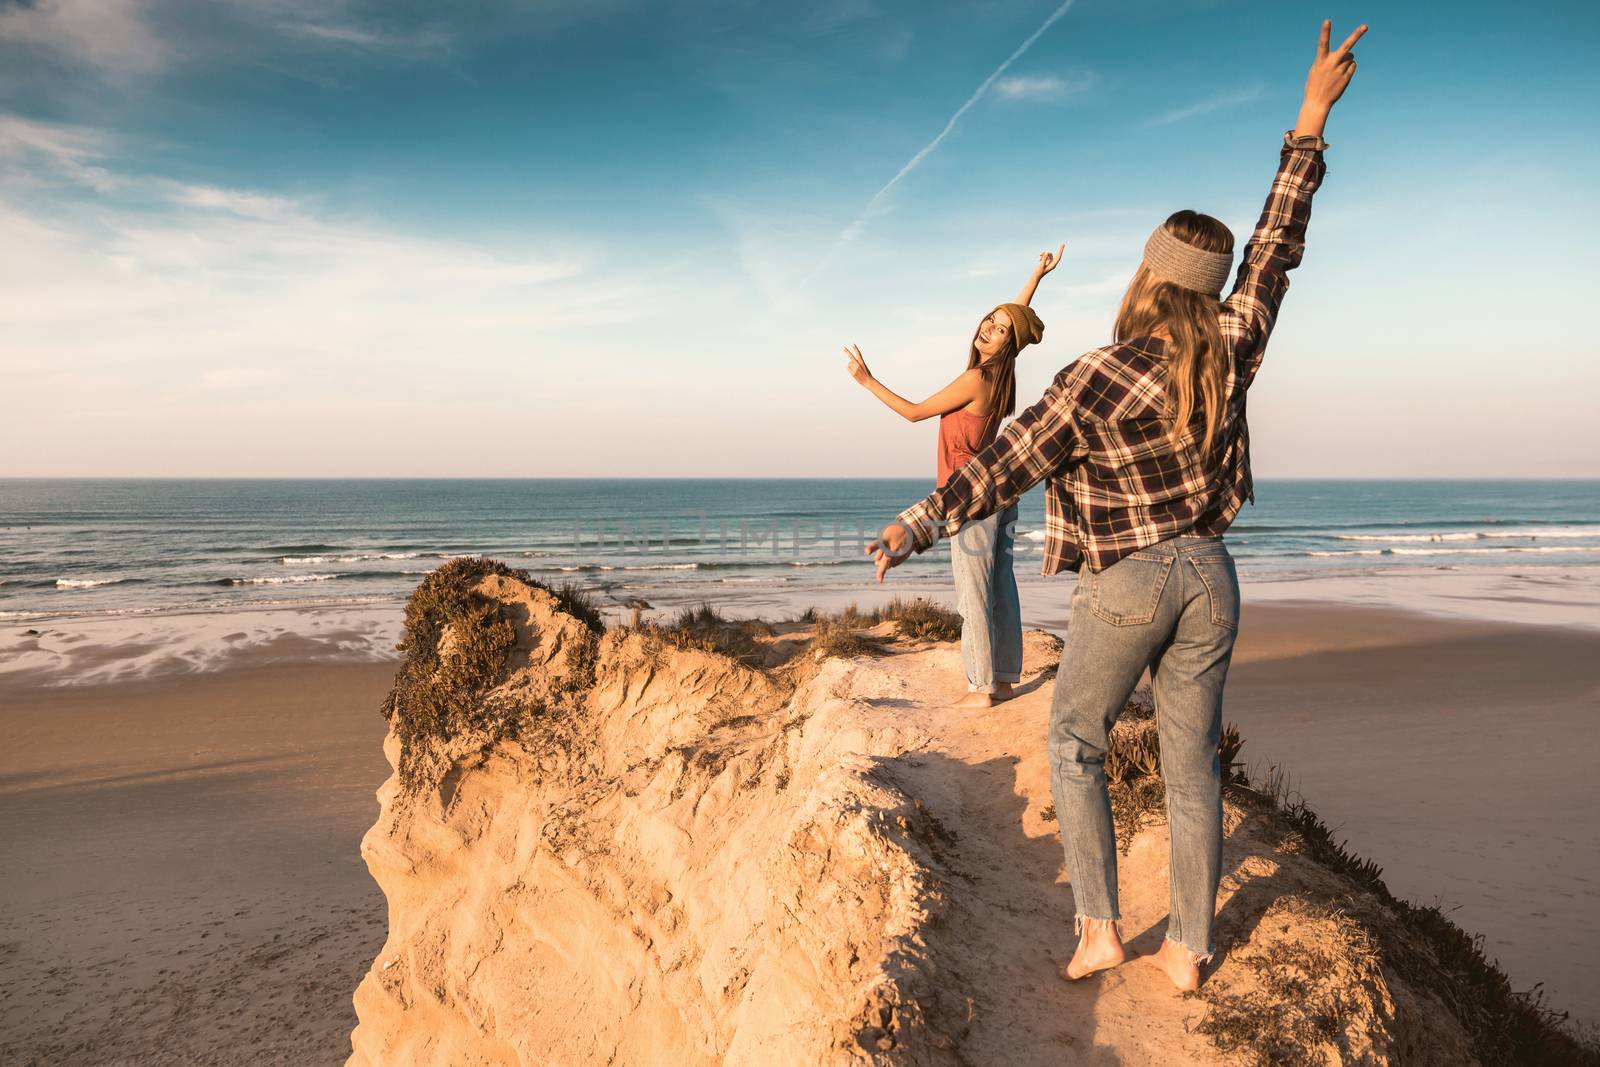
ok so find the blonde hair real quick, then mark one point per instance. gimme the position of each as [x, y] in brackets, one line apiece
[1197, 362]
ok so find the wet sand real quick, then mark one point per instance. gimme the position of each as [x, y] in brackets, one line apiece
[1459, 756]
[183, 882]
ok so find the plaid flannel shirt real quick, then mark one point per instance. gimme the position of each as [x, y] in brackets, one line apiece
[1101, 432]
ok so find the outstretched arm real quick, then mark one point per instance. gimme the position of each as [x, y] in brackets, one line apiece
[1047, 263]
[958, 394]
[1036, 444]
[1278, 243]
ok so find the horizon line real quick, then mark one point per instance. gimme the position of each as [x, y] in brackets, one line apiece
[712, 478]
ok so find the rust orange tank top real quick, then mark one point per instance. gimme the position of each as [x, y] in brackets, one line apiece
[962, 436]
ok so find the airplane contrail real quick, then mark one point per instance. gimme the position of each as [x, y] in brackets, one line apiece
[850, 232]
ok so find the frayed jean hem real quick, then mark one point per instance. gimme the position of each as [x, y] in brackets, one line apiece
[1199, 959]
[1079, 920]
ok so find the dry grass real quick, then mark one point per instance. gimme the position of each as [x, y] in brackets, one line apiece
[1305, 992]
[923, 620]
[1418, 945]
[917, 619]
[708, 630]
[1430, 952]
[1133, 768]
[835, 638]
[439, 691]
[1295, 1018]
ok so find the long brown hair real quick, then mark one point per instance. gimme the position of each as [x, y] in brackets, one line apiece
[1197, 363]
[999, 373]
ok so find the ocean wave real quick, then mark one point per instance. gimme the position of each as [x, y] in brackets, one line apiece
[588, 568]
[387, 601]
[1498, 550]
[285, 579]
[312, 561]
[703, 565]
[1527, 533]
[89, 583]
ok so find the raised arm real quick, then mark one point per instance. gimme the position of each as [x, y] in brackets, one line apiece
[958, 394]
[1278, 243]
[1036, 444]
[1329, 77]
[1047, 263]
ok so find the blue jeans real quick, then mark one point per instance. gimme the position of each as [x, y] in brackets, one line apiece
[986, 597]
[1174, 608]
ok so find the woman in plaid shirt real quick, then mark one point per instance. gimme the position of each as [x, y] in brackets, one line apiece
[1146, 451]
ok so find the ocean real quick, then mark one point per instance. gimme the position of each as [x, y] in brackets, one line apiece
[112, 547]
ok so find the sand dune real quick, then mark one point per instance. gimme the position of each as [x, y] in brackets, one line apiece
[183, 883]
[619, 849]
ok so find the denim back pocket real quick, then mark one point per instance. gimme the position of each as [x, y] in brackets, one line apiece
[1128, 592]
[1222, 588]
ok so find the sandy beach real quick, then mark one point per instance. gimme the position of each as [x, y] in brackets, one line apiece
[183, 882]
[1457, 755]
[185, 886]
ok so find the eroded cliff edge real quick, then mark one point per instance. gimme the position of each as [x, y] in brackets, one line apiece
[745, 844]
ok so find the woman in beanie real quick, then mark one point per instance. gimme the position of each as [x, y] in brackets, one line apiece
[970, 409]
[1146, 451]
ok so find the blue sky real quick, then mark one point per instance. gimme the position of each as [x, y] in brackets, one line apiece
[617, 238]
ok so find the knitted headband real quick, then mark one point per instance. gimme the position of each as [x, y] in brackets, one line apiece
[1175, 260]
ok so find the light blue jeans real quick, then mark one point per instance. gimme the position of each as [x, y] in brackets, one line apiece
[1174, 608]
[986, 597]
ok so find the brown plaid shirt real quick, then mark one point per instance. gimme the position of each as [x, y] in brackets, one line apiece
[1118, 483]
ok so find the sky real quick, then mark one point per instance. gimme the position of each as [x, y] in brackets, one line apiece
[613, 238]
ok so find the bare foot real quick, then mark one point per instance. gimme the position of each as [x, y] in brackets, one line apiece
[1003, 691]
[1179, 965]
[975, 700]
[1099, 949]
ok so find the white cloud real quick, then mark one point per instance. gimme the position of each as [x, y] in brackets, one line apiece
[233, 201]
[123, 41]
[70, 152]
[111, 35]
[1209, 104]
[1042, 87]
[420, 42]
[163, 283]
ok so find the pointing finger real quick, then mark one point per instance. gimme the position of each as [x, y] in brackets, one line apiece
[1322, 40]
